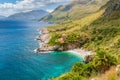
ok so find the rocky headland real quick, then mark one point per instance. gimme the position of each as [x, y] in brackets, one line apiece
[44, 38]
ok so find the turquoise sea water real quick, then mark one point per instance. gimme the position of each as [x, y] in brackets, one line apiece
[18, 60]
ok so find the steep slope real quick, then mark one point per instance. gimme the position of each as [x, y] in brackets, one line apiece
[75, 10]
[103, 33]
[32, 15]
[91, 32]
[88, 29]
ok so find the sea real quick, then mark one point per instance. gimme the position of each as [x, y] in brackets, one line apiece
[18, 61]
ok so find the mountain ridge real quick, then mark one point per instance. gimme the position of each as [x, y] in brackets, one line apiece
[31, 15]
[74, 10]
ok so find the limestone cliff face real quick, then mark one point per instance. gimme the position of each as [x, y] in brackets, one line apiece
[113, 5]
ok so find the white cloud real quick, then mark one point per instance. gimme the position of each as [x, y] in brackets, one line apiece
[7, 9]
[50, 10]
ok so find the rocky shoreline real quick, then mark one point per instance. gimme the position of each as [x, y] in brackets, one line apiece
[45, 48]
[44, 39]
[85, 54]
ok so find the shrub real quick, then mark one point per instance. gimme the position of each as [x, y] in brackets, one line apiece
[70, 76]
[82, 69]
[103, 61]
[53, 39]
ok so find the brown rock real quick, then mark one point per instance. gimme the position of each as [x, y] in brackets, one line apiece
[88, 58]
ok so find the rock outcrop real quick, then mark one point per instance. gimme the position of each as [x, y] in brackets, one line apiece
[44, 39]
[88, 58]
[113, 6]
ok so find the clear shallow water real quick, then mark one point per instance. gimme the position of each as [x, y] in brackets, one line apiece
[18, 60]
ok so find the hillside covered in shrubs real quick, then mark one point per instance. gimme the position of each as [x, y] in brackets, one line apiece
[98, 32]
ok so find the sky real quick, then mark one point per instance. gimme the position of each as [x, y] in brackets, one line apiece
[10, 7]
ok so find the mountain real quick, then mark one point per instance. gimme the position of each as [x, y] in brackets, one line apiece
[2, 17]
[92, 31]
[74, 10]
[31, 15]
[98, 32]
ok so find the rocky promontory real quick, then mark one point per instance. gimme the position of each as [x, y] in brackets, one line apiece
[44, 39]
[72, 48]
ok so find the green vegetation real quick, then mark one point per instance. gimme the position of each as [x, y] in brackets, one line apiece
[103, 61]
[98, 32]
[93, 32]
[73, 30]
[112, 74]
[75, 10]
[99, 64]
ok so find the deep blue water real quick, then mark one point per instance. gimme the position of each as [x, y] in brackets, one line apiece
[18, 60]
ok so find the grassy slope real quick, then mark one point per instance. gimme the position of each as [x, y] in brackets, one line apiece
[109, 75]
[72, 29]
[74, 10]
[104, 34]
[93, 32]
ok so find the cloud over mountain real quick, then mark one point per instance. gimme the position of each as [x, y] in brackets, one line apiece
[7, 9]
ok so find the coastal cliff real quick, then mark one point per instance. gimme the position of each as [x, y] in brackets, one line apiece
[45, 37]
